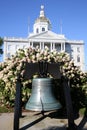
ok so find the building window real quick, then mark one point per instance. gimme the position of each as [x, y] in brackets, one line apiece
[47, 45]
[78, 49]
[78, 58]
[37, 30]
[36, 44]
[8, 55]
[71, 57]
[43, 29]
[58, 47]
[9, 47]
[17, 47]
[24, 46]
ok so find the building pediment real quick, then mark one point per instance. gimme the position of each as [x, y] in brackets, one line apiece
[47, 35]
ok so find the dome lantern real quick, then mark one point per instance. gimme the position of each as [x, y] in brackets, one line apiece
[41, 23]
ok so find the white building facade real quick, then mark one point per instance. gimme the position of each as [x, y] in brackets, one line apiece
[43, 36]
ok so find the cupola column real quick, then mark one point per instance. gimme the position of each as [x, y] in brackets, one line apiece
[40, 45]
[62, 46]
[51, 48]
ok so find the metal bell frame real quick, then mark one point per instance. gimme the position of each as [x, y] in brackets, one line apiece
[52, 68]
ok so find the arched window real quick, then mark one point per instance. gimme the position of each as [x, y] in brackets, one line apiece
[43, 29]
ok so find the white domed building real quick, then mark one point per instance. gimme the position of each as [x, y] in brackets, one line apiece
[43, 36]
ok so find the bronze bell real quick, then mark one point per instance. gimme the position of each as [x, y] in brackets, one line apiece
[42, 96]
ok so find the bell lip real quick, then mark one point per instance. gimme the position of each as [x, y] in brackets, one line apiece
[38, 110]
[45, 109]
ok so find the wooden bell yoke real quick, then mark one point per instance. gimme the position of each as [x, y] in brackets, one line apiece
[43, 68]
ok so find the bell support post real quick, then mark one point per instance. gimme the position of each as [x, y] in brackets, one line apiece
[17, 108]
[68, 101]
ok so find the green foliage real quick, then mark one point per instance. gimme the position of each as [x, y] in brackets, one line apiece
[10, 69]
[1, 43]
[82, 111]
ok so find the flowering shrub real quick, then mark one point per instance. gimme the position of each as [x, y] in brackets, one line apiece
[12, 67]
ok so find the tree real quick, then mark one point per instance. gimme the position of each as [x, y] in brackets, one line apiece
[1, 43]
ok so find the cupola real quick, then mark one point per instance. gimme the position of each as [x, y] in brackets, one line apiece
[41, 23]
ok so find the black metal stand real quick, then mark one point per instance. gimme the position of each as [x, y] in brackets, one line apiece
[52, 68]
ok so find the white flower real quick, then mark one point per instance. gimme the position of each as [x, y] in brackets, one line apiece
[37, 47]
[41, 52]
[45, 58]
[72, 75]
[1, 75]
[55, 53]
[33, 57]
[34, 61]
[18, 67]
[46, 48]
[10, 73]
[40, 58]
[45, 53]
[37, 55]
[28, 60]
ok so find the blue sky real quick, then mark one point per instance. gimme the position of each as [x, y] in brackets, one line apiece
[16, 14]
